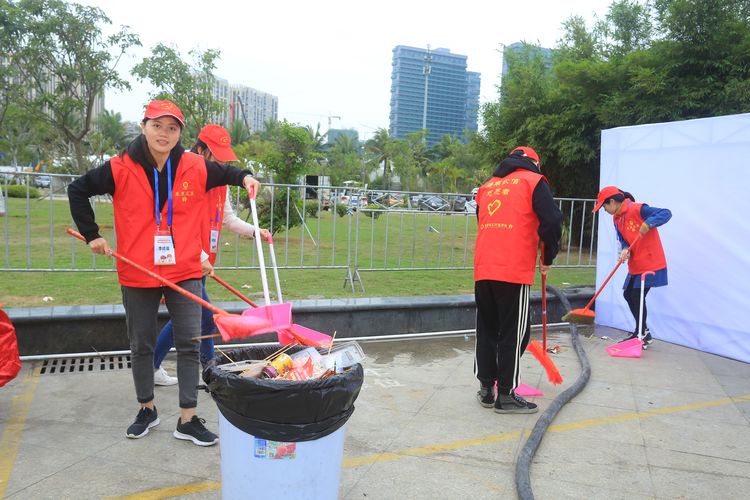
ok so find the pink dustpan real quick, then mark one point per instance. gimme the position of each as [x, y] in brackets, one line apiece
[232, 326]
[279, 316]
[527, 390]
[305, 336]
[632, 348]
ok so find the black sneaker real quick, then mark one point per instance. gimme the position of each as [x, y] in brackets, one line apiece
[647, 339]
[146, 419]
[486, 396]
[196, 432]
[513, 404]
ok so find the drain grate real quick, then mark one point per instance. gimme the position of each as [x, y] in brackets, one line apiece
[85, 365]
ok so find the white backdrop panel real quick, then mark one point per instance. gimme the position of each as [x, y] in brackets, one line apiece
[700, 170]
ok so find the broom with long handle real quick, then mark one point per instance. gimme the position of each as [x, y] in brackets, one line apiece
[585, 316]
[540, 353]
[243, 326]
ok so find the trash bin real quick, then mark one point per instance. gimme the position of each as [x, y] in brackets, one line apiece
[277, 437]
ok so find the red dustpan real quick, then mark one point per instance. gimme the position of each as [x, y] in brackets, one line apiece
[230, 325]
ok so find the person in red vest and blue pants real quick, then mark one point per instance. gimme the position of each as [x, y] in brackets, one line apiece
[515, 211]
[637, 220]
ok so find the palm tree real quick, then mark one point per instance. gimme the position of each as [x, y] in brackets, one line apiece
[271, 128]
[345, 144]
[113, 131]
[238, 132]
[381, 148]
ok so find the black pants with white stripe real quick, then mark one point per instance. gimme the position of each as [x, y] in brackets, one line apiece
[503, 332]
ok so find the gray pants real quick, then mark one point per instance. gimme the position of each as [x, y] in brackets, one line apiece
[141, 309]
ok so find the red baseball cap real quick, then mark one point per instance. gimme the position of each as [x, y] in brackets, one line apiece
[218, 141]
[604, 194]
[526, 152]
[157, 109]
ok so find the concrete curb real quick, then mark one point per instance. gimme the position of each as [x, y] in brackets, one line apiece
[73, 329]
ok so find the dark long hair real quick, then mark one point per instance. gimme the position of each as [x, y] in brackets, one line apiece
[202, 145]
[620, 197]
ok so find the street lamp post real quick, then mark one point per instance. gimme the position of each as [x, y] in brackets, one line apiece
[426, 69]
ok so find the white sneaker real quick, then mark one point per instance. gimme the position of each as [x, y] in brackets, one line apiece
[161, 377]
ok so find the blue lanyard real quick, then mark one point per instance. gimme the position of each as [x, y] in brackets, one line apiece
[169, 195]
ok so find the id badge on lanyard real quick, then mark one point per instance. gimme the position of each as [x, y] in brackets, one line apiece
[214, 240]
[164, 248]
[164, 253]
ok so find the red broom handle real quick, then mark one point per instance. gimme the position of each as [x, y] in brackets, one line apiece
[619, 263]
[544, 299]
[162, 279]
[234, 290]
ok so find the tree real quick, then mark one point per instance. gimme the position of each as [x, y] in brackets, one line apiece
[188, 85]
[381, 147]
[670, 60]
[61, 56]
[344, 160]
[238, 132]
[114, 135]
[19, 134]
[285, 157]
[627, 27]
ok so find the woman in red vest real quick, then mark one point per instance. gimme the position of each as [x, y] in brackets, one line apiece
[214, 144]
[637, 220]
[516, 211]
[158, 194]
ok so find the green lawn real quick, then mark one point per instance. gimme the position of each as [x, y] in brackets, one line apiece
[394, 240]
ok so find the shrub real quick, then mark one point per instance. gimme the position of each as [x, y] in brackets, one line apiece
[372, 210]
[20, 192]
[311, 208]
[342, 210]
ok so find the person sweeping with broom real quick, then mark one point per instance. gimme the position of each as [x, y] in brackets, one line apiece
[515, 210]
[636, 225]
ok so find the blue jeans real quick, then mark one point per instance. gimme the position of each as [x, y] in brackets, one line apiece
[165, 341]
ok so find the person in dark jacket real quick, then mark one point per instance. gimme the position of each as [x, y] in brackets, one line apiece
[158, 192]
[515, 211]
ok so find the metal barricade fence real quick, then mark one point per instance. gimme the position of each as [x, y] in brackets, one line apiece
[314, 227]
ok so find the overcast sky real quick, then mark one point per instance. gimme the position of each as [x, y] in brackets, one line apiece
[333, 58]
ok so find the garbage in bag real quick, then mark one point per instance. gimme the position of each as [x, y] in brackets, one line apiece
[282, 410]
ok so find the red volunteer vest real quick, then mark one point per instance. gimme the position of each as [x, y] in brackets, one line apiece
[135, 221]
[215, 199]
[648, 254]
[507, 237]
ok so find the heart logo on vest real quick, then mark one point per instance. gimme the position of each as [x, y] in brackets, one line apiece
[492, 207]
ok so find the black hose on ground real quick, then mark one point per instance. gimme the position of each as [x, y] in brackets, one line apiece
[523, 481]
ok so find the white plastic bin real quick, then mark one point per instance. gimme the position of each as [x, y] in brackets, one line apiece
[255, 468]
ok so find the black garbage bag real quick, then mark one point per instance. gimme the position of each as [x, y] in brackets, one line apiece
[282, 410]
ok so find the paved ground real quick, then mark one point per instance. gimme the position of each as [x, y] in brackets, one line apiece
[674, 423]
